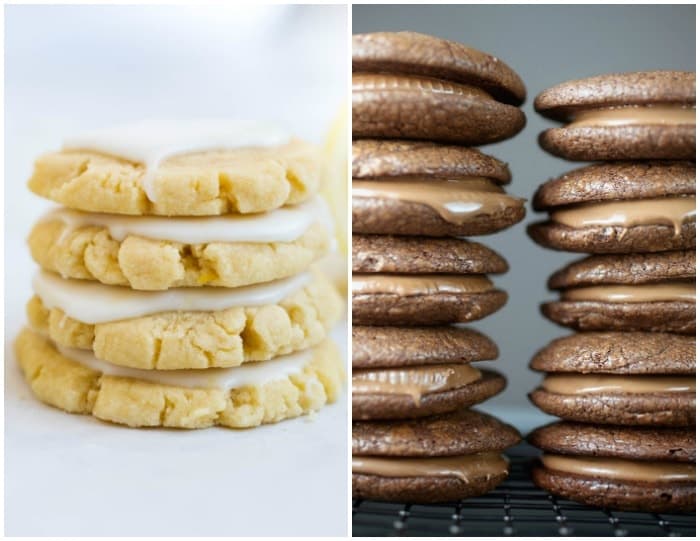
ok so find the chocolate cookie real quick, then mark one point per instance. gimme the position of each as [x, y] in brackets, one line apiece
[637, 443]
[399, 281]
[619, 378]
[392, 347]
[436, 459]
[622, 116]
[649, 292]
[619, 207]
[417, 188]
[414, 86]
[636, 469]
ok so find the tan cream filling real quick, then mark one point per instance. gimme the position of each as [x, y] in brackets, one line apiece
[673, 211]
[419, 284]
[415, 382]
[465, 467]
[383, 81]
[456, 201]
[673, 115]
[662, 291]
[572, 384]
[619, 468]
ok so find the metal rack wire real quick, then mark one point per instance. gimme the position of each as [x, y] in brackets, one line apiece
[515, 508]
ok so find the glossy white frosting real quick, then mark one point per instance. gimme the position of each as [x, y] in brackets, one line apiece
[93, 302]
[285, 224]
[151, 141]
[249, 374]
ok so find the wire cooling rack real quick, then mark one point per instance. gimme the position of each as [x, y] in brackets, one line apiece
[515, 508]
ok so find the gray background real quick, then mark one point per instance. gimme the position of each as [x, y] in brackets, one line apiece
[545, 45]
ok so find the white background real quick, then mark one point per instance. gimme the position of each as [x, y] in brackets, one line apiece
[72, 68]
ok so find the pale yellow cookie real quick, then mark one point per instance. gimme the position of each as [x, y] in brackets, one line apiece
[90, 253]
[71, 386]
[209, 183]
[172, 340]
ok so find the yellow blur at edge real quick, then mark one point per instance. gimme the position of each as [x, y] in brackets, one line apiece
[334, 190]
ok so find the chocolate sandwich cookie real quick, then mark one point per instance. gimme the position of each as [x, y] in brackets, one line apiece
[614, 467]
[620, 378]
[400, 281]
[414, 86]
[622, 116]
[619, 207]
[418, 188]
[436, 459]
[401, 372]
[632, 292]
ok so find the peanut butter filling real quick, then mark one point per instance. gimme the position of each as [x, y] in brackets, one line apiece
[384, 81]
[673, 115]
[620, 468]
[465, 467]
[456, 201]
[616, 384]
[673, 211]
[420, 284]
[663, 291]
[415, 382]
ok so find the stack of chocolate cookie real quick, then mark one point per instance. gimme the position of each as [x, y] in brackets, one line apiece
[176, 285]
[624, 384]
[419, 102]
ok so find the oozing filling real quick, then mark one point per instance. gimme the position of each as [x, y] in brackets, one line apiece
[151, 142]
[285, 224]
[619, 468]
[92, 302]
[464, 467]
[416, 381]
[249, 374]
[672, 290]
[635, 115]
[383, 81]
[576, 384]
[419, 284]
[673, 211]
[456, 201]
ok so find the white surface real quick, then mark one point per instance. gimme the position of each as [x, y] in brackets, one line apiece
[75, 68]
[72, 475]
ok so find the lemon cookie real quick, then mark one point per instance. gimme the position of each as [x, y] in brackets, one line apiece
[202, 168]
[235, 397]
[187, 327]
[155, 253]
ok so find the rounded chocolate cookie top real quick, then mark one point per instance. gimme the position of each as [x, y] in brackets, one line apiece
[461, 432]
[421, 255]
[636, 443]
[617, 89]
[616, 181]
[376, 158]
[374, 347]
[412, 53]
[626, 269]
[618, 353]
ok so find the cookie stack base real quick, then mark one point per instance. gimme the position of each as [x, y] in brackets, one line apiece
[67, 384]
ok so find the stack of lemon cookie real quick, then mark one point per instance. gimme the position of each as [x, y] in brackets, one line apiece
[177, 284]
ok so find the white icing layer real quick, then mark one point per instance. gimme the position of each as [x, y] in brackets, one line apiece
[151, 141]
[285, 224]
[249, 374]
[92, 302]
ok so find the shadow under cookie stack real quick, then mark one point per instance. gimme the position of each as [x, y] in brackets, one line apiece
[419, 102]
[177, 286]
[624, 383]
